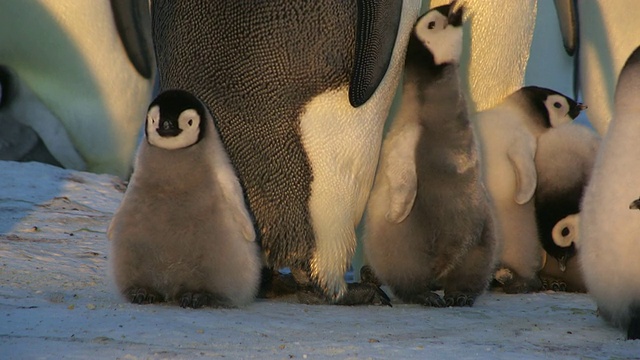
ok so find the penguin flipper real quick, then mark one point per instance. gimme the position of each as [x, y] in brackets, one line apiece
[376, 31]
[567, 11]
[568, 19]
[403, 186]
[232, 192]
[521, 155]
[133, 22]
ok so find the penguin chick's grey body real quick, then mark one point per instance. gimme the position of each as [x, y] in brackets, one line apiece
[508, 135]
[183, 232]
[609, 244]
[428, 220]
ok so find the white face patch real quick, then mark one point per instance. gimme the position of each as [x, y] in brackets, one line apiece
[188, 122]
[558, 108]
[443, 40]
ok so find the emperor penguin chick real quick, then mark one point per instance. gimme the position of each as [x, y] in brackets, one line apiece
[182, 232]
[609, 243]
[428, 220]
[564, 159]
[508, 135]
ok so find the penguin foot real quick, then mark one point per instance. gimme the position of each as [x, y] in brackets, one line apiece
[357, 294]
[433, 300]
[459, 299]
[427, 298]
[512, 283]
[553, 284]
[195, 300]
[367, 275]
[142, 296]
[275, 284]
[365, 293]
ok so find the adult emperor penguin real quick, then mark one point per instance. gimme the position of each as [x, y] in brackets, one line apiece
[81, 72]
[609, 229]
[564, 159]
[301, 91]
[526, 48]
[508, 136]
[428, 221]
[183, 232]
[608, 33]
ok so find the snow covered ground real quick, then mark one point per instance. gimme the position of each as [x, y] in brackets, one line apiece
[56, 301]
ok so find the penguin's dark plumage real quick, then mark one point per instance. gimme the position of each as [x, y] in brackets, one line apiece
[279, 76]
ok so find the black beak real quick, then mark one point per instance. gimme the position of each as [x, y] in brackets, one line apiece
[168, 128]
[575, 110]
[455, 14]
[562, 263]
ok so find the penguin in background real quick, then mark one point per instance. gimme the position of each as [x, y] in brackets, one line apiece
[183, 232]
[608, 33]
[508, 135]
[301, 91]
[535, 43]
[609, 229]
[564, 159]
[428, 222]
[80, 72]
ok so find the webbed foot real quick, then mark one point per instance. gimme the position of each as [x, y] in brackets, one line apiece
[357, 294]
[143, 296]
[459, 299]
[553, 284]
[512, 283]
[194, 300]
[275, 284]
[364, 293]
[367, 275]
[426, 298]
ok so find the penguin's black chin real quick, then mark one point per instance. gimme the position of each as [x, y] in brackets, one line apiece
[170, 132]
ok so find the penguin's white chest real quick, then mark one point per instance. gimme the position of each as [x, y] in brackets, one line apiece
[342, 144]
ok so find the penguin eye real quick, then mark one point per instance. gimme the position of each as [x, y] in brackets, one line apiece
[557, 105]
[431, 25]
[190, 122]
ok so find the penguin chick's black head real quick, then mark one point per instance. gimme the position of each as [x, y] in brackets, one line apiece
[553, 108]
[436, 39]
[175, 120]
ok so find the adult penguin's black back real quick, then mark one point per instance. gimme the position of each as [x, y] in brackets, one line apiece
[299, 91]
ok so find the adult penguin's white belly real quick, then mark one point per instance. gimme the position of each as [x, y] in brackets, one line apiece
[70, 55]
[609, 33]
[498, 37]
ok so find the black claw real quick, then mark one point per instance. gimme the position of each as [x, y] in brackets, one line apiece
[142, 296]
[185, 300]
[434, 300]
[553, 284]
[194, 300]
[459, 299]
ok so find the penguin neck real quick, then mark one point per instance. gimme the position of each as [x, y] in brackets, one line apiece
[165, 170]
[438, 93]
